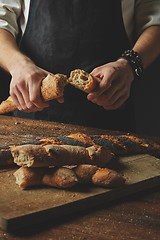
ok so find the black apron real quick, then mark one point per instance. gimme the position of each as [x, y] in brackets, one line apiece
[63, 35]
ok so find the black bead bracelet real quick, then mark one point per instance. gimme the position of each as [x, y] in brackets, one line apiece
[135, 62]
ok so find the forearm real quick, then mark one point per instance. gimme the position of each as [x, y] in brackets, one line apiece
[116, 77]
[10, 55]
[26, 77]
[148, 45]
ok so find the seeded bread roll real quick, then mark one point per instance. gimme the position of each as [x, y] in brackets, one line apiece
[60, 178]
[52, 87]
[107, 178]
[82, 80]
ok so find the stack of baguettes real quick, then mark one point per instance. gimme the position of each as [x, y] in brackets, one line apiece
[65, 161]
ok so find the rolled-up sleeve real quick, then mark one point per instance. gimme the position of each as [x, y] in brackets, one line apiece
[147, 14]
[9, 13]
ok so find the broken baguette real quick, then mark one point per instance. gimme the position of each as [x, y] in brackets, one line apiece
[82, 80]
[27, 177]
[59, 155]
[30, 155]
[52, 87]
[60, 178]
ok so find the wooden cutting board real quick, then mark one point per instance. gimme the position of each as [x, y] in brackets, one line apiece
[19, 208]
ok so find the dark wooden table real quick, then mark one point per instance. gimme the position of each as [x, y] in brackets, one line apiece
[135, 217]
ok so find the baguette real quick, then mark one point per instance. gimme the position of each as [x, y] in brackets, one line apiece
[27, 177]
[118, 145]
[82, 138]
[126, 144]
[64, 177]
[103, 177]
[52, 87]
[107, 178]
[60, 178]
[59, 155]
[82, 80]
[30, 155]
[85, 172]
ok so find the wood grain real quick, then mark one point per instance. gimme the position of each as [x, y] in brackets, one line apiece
[134, 217]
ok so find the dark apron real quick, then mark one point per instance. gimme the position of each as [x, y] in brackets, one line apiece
[63, 35]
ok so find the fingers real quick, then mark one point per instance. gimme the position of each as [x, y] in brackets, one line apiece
[105, 81]
[34, 95]
[25, 92]
[111, 99]
[114, 86]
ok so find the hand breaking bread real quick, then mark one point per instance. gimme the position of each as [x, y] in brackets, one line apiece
[52, 87]
[60, 178]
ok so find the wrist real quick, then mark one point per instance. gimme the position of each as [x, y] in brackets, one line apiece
[135, 63]
[19, 61]
[127, 68]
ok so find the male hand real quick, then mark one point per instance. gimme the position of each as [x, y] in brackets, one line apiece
[25, 86]
[115, 80]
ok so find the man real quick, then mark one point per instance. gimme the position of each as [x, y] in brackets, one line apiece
[63, 35]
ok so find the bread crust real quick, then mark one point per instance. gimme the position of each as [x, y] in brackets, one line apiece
[61, 178]
[82, 138]
[85, 172]
[99, 155]
[107, 178]
[7, 106]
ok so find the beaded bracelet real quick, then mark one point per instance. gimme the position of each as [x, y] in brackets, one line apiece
[135, 62]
